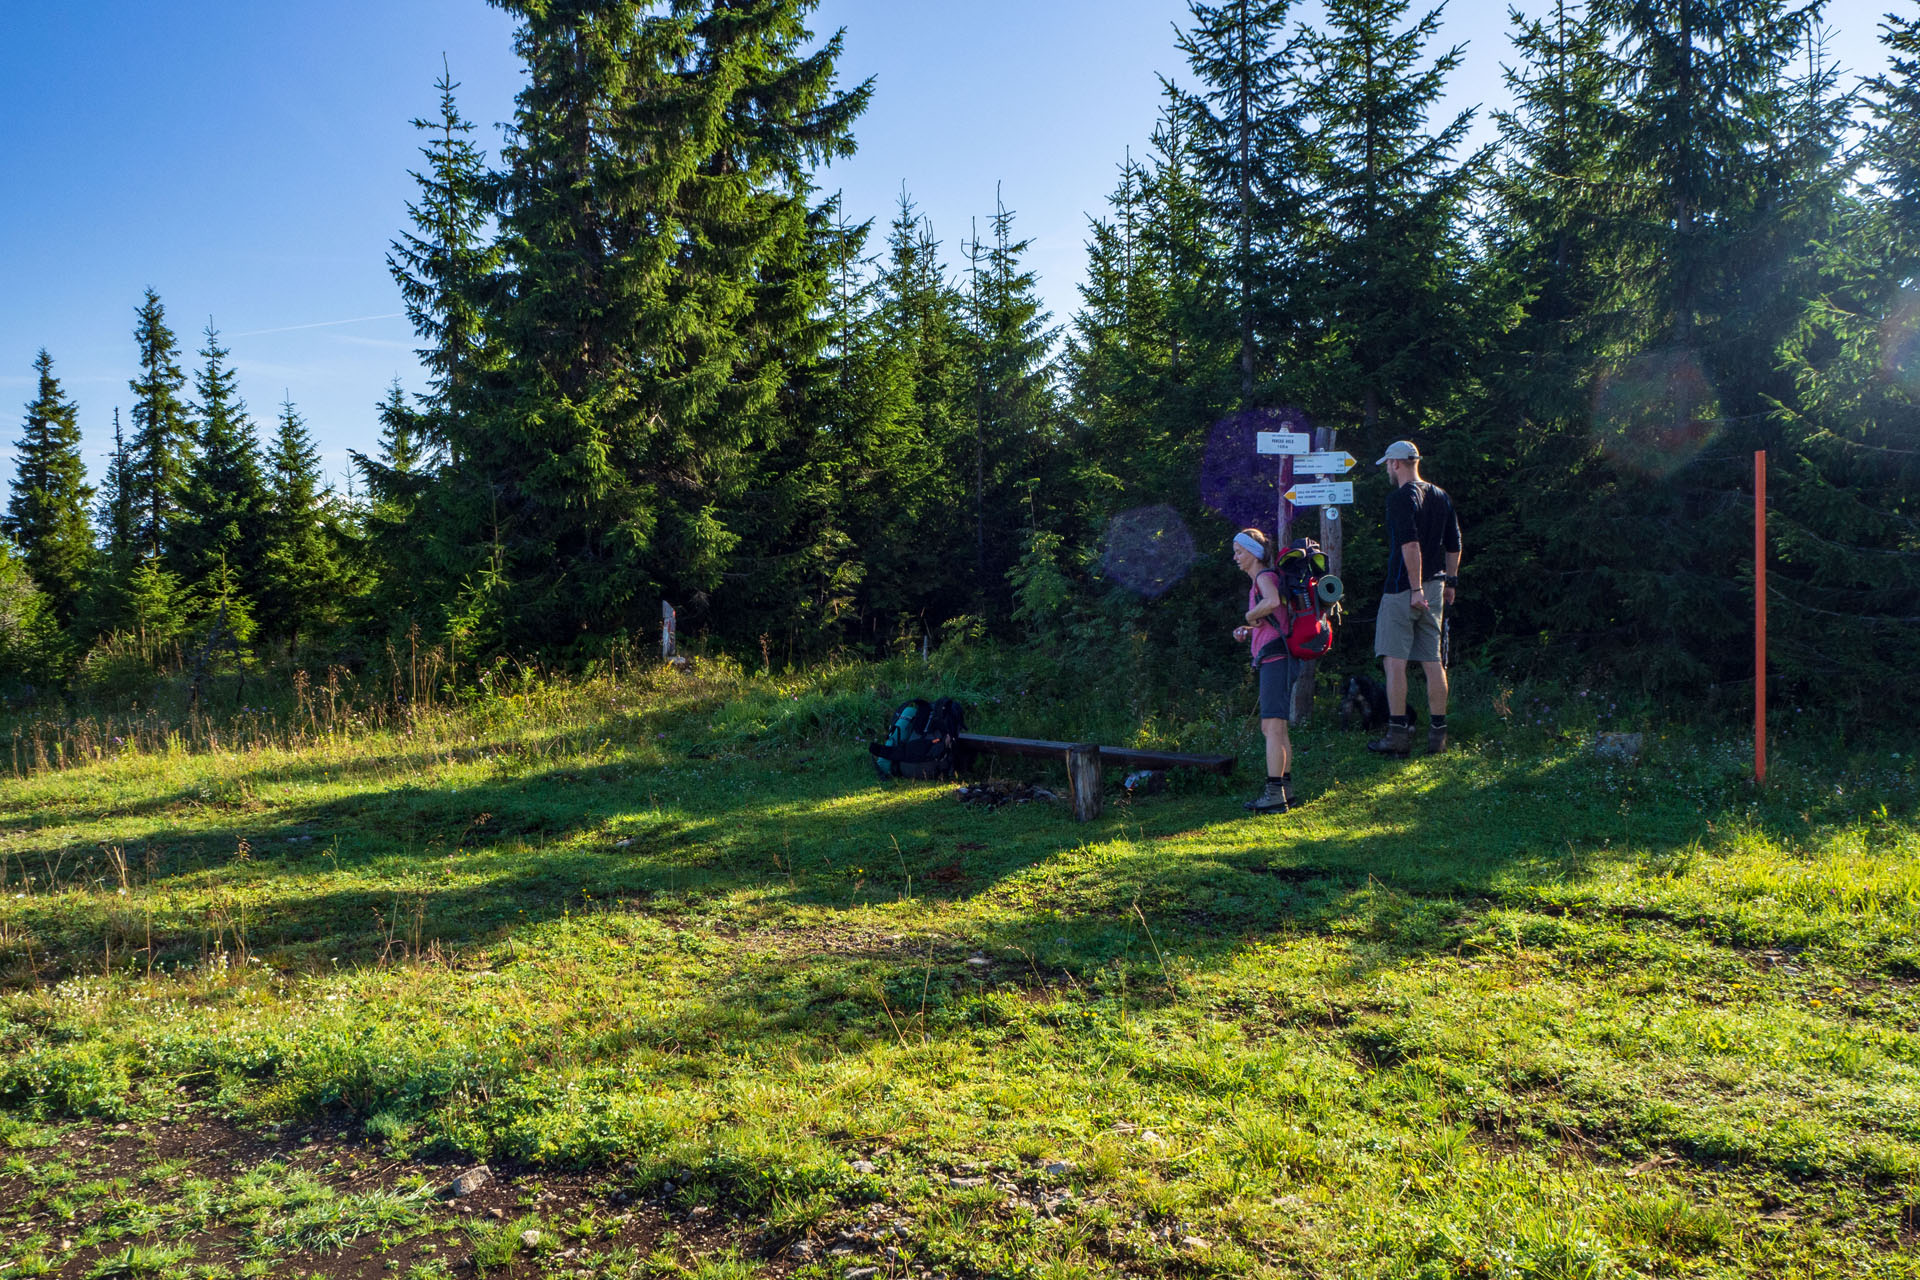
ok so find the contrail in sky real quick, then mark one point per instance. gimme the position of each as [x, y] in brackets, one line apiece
[322, 324]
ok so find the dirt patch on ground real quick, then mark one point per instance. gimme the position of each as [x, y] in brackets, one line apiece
[130, 1200]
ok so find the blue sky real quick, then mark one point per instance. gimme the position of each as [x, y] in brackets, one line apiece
[249, 161]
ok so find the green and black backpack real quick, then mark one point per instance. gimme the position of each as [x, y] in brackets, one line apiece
[923, 742]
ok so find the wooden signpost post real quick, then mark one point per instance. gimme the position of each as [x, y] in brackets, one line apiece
[1310, 455]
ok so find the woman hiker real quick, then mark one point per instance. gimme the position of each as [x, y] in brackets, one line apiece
[1276, 671]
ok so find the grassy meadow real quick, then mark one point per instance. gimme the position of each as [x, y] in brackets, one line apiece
[1514, 1011]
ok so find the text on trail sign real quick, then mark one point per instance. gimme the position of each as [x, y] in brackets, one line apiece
[1323, 464]
[1283, 442]
[1316, 495]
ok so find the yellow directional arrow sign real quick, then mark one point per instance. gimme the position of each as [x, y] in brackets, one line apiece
[1324, 464]
[1321, 495]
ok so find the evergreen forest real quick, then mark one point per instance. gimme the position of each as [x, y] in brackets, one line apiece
[663, 364]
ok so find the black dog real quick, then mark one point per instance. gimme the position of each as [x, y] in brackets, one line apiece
[1364, 702]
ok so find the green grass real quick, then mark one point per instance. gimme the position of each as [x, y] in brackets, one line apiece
[1514, 1011]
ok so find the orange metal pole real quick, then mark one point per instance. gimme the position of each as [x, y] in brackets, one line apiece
[1760, 616]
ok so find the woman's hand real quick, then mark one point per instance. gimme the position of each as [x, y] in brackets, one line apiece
[1242, 633]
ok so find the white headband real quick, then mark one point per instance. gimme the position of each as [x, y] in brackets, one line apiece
[1249, 544]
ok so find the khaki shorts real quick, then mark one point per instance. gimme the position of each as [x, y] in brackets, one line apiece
[1404, 632]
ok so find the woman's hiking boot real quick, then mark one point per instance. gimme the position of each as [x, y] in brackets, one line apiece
[1436, 740]
[1272, 800]
[1397, 742]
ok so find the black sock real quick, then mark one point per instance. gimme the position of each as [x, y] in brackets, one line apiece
[1274, 782]
[1437, 722]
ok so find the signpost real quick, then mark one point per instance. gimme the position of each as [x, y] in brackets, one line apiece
[1324, 464]
[1304, 454]
[1283, 442]
[1326, 493]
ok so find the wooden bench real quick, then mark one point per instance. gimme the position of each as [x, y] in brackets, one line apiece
[1084, 761]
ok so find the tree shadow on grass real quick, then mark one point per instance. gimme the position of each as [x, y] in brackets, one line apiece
[463, 867]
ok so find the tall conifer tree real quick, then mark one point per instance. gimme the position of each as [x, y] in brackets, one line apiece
[162, 434]
[222, 518]
[1016, 411]
[399, 496]
[442, 266]
[656, 285]
[47, 514]
[300, 585]
[1387, 265]
[118, 515]
[1242, 138]
[918, 562]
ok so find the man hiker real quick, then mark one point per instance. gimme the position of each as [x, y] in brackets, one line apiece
[1423, 535]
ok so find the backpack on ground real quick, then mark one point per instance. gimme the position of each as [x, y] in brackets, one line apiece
[923, 742]
[1309, 603]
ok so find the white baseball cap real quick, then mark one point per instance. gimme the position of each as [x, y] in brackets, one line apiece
[1399, 451]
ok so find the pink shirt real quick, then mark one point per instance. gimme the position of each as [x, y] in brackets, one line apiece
[1265, 631]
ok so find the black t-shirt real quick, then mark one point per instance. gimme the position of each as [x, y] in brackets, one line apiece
[1422, 512]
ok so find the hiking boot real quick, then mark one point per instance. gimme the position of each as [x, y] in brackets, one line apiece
[1293, 800]
[1397, 742]
[1436, 740]
[1272, 800]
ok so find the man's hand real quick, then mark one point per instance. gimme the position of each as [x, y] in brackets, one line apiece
[1419, 600]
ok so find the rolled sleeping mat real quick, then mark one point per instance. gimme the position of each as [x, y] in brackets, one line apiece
[1331, 590]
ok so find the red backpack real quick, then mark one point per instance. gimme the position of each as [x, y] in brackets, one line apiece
[1309, 603]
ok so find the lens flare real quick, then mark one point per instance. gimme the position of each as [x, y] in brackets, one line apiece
[1147, 550]
[1237, 482]
[1654, 414]
[1900, 342]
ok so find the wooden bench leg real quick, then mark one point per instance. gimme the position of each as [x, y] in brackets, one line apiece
[1083, 775]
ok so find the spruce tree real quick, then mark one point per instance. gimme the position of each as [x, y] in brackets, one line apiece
[301, 586]
[222, 514]
[1701, 94]
[1016, 419]
[117, 522]
[1844, 509]
[1242, 140]
[31, 647]
[443, 264]
[800, 559]
[1546, 263]
[162, 435]
[1895, 141]
[47, 515]
[158, 608]
[1386, 269]
[918, 556]
[656, 286]
[118, 514]
[399, 493]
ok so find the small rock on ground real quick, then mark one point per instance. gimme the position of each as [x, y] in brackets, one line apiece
[470, 1181]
